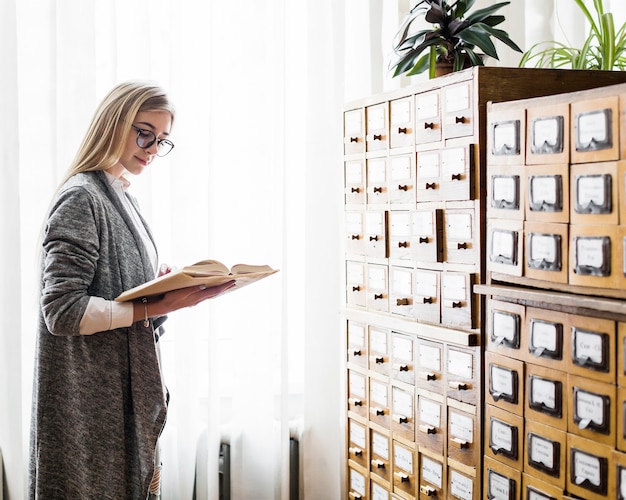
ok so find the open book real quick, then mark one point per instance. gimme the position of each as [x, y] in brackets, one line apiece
[206, 272]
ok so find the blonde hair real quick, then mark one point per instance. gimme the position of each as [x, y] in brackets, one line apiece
[105, 139]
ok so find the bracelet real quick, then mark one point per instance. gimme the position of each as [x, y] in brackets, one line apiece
[146, 321]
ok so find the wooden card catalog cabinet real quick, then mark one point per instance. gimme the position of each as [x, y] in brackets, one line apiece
[357, 344]
[463, 483]
[504, 436]
[594, 126]
[462, 373]
[594, 193]
[545, 453]
[355, 283]
[546, 396]
[400, 241]
[380, 453]
[354, 131]
[380, 404]
[379, 350]
[546, 251]
[377, 116]
[501, 481]
[403, 412]
[430, 363]
[505, 192]
[357, 393]
[458, 309]
[403, 357]
[463, 436]
[461, 235]
[458, 165]
[548, 134]
[354, 182]
[592, 410]
[546, 338]
[504, 327]
[593, 342]
[432, 477]
[405, 471]
[590, 474]
[428, 117]
[377, 191]
[401, 289]
[505, 243]
[376, 234]
[547, 193]
[427, 299]
[427, 233]
[595, 259]
[505, 382]
[358, 485]
[506, 137]
[458, 110]
[431, 422]
[401, 185]
[377, 287]
[354, 227]
[358, 446]
[401, 132]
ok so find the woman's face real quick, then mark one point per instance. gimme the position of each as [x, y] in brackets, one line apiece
[135, 158]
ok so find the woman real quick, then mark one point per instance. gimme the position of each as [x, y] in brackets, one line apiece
[99, 404]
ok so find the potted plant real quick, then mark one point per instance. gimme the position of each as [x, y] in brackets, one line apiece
[604, 48]
[456, 37]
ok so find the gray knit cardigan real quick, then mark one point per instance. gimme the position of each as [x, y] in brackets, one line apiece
[98, 400]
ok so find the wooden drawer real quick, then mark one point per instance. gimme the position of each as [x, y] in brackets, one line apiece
[463, 367]
[379, 402]
[354, 131]
[428, 117]
[592, 410]
[506, 192]
[547, 251]
[505, 382]
[376, 178]
[458, 171]
[354, 182]
[430, 366]
[593, 193]
[464, 435]
[595, 259]
[546, 338]
[358, 482]
[400, 235]
[545, 450]
[401, 129]
[547, 196]
[401, 291]
[377, 287]
[379, 350]
[621, 354]
[458, 110]
[504, 437]
[355, 236]
[501, 481]
[379, 490]
[357, 344]
[533, 487]
[429, 175]
[401, 186]
[548, 134]
[619, 459]
[375, 233]
[377, 125]
[546, 399]
[380, 453]
[593, 343]
[432, 477]
[595, 132]
[462, 235]
[458, 303]
[505, 246]
[427, 300]
[506, 137]
[462, 482]
[355, 283]
[403, 399]
[358, 443]
[590, 474]
[405, 471]
[621, 419]
[505, 322]
[357, 393]
[431, 422]
[427, 233]
[403, 357]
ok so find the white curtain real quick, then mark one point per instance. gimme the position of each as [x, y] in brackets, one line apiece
[256, 176]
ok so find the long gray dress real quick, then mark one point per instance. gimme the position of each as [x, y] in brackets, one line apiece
[98, 400]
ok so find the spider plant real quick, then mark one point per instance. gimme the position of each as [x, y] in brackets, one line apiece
[603, 49]
[455, 36]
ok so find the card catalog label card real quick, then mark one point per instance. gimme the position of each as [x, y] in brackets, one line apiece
[402, 281]
[506, 140]
[461, 486]
[432, 471]
[499, 487]
[532, 494]
[430, 412]
[400, 224]
[354, 222]
[357, 482]
[454, 287]
[504, 191]
[423, 223]
[452, 161]
[505, 326]
[402, 402]
[547, 135]
[353, 123]
[378, 393]
[357, 384]
[543, 392]
[588, 345]
[400, 111]
[503, 246]
[587, 467]
[357, 434]
[461, 427]
[621, 481]
[376, 278]
[593, 193]
[501, 438]
[427, 105]
[356, 334]
[374, 223]
[545, 251]
[354, 273]
[426, 284]
[502, 380]
[541, 451]
[594, 129]
[544, 336]
[400, 168]
[376, 172]
[378, 341]
[375, 118]
[430, 357]
[428, 164]
[402, 348]
[380, 445]
[354, 172]
[545, 193]
[403, 459]
[460, 364]
[459, 226]
[589, 408]
[379, 492]
[592, 255]
[457, 98]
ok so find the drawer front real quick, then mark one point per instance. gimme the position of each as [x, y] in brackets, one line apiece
[427, 234]
[500, 480]
[377, 123]
[545, 453]
[594, 193]
[592, 342]
[461, 236]
[430, 366]
[548, 134]
[546, 338]
[403, 412]
[547, 196]
[355, 283]
[463, 437]
[429, 175]
[458, 307]
[355, 236]
[546, 398]
[506, 192]
[427, 299]
[400, 241]
[428, 117]
[590, 474]
[463, 484]
[504, 437]
[431, 423]
[358, 484]
[546, 251]
[401, 130]
[377, 287]
[432, 477]
[506, 137]
[401, 185]
[379, 402]
[375, 223]
[354, 131]
[592, 410]
[595, 258]
[380, 454]
[357, 393]
[504, 385]
[505, 323]
[401, 291]
[505, 244]
[458, 110]
[358, 443]
[405, 469]
[463, 373]
[376, 178]
[357, 344]
[403, 357]
[379, 351]
[458, 167]
[594, 128]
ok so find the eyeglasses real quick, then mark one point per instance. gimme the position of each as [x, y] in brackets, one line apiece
[146, 138]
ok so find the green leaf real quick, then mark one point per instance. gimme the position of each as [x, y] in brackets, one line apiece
[502, 36]
[481, 14]
[481, 39]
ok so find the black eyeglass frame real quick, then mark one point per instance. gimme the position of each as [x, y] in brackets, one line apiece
[142, 133]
